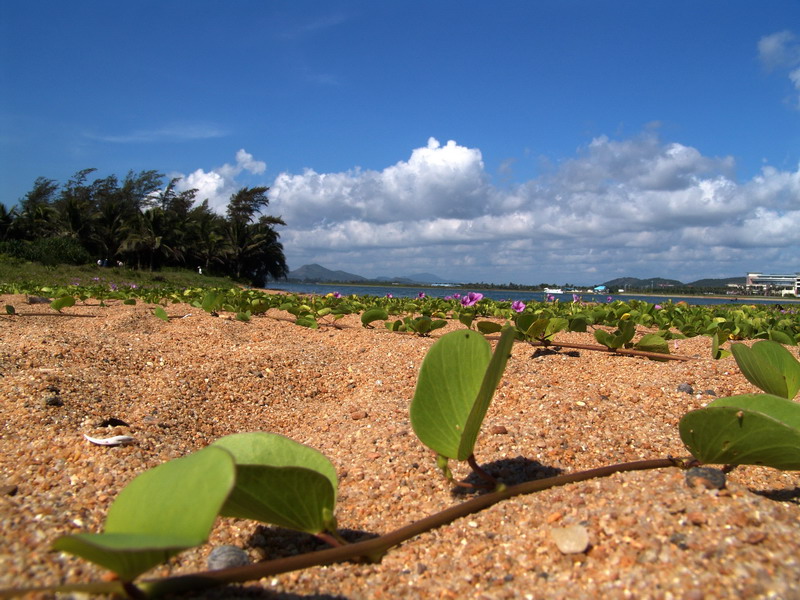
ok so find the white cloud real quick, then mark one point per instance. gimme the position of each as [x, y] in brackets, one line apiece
[169, 133]
[780, 51]
[635, 206]
[219, 184]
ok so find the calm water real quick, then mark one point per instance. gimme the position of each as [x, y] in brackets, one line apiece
[399, 291]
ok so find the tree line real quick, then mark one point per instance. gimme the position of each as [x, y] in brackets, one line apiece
[142, 223]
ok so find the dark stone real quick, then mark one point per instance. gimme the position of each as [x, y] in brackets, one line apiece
[113, 422]
[53, 401]
[685, 388]
[705, 477]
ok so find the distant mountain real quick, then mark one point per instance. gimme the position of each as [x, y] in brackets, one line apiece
[717, 283]
[316, 272]
[655, 283]
[416, 278]
[633, 283]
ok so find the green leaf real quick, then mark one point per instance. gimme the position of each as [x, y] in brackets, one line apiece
[651, 342]
[489, 384]
[770, 367]
[605, 338]
[751, 429]
[129, 301]
[161, 313]
[453, 390]
[307, 321]
[555, 325]
[449, 381]
[489, 327]
[212, 301]
[10, 310]
[578, 324]
[62, 302]
[781, 337]
[373, 314]
[716, 341]
[280, 481]
[161, 512]
[243, 316]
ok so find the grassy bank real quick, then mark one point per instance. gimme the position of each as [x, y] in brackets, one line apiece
[19, 271]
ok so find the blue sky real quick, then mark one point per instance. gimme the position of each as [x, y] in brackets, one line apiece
[527, 141]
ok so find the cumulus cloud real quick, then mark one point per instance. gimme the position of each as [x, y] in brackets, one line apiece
[781, 51]
[635, 206]
[219, 184]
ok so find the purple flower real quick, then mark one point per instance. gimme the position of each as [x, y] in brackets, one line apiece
[389, 295]
[517, 306]
[609, 299]
[576, 298]
[337, 295]
[658, 307]
[551, 298]
[421, 295]
[456, 296]
[113, 287]
[448, 297]
[471, 299]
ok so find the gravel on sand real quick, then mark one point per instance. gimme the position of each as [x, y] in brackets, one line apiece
[177, 386]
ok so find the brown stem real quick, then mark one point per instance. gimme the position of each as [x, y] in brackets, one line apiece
[479, 471]
[598, 348]
[378, 546]
[370, 549]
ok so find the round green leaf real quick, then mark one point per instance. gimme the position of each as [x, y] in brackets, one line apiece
[455, 386]
[770, 367]
[448, 383]
[751, 429]
[62, 302]
[372, 315]
[280, 481]
[157, 515]
[652, 342]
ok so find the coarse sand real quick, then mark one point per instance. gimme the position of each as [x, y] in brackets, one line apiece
[179, 385]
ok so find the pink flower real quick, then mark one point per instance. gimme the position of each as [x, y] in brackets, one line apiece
[471, 299]
[517, 306]
[421, 295]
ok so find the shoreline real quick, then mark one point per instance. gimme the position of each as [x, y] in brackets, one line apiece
[741, 298]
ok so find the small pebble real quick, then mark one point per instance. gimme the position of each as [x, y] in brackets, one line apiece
[8, 490]
[685, 388]
[53, 401]
[705, 477]
[498, 430]
[573, 539]
[358, 415]
[225, 557]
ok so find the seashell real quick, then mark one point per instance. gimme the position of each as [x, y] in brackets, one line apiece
[117, 440]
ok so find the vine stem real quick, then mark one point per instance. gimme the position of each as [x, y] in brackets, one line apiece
[369, 549]
[644, 353]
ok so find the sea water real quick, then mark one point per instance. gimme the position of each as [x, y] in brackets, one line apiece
[405, 291]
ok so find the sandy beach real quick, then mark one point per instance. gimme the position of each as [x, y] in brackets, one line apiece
[179, 385]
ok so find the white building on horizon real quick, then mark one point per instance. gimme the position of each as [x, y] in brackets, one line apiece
[776, 284]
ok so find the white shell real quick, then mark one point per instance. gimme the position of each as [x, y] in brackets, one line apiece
[117, 440]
